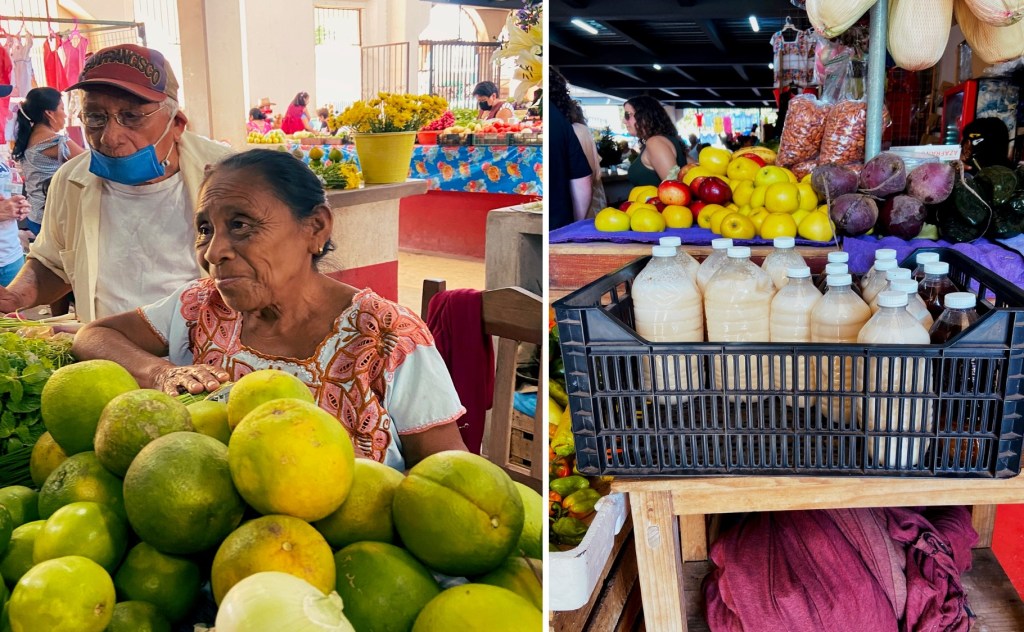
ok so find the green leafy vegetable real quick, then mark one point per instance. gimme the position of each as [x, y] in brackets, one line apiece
[25, 365]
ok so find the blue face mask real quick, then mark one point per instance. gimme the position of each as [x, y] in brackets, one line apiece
[142, 166]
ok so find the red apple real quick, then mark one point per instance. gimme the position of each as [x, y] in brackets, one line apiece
[658, 204]
[625, 206]
[714, 191]
[759, 160]
[695, 208]
[695, 185]
[673, 192]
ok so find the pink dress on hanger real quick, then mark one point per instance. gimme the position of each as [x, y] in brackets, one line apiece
[20, 51]
[5, 78]
[74, 56]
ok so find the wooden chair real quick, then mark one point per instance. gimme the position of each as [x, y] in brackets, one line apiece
[513, 441]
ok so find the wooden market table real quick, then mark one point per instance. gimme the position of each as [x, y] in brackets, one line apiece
[573, 265]
[365, 235]
[671, 534]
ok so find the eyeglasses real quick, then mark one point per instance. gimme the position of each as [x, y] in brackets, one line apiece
[128, 119]
[627, 115]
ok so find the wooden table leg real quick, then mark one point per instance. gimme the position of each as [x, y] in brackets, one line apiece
[983, 519]
[659, 561]
[693, 535]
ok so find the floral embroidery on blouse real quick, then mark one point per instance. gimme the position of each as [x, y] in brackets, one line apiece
[348, 374]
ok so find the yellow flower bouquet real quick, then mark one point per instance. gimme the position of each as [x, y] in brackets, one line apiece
[391, 112]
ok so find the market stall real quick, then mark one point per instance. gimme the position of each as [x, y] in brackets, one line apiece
[697, 408]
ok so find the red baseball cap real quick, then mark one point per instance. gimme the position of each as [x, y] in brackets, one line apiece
[141, 71]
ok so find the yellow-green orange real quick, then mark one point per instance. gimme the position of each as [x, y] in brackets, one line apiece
[81, 477]
[179, 496]
[74, 397]
[519, 575]
[46, 456]
[17, 559]
[87, 529]
[531, 540]
[168, 582]
[211, 418]
[260, 387]
[290, 457]
[458, 513]
[6, 528]
[273, 543]
[70, 594]
[383, 587]
[478, 608]
[366, 513]
[21, 502]
[131, 420]
[137, 616]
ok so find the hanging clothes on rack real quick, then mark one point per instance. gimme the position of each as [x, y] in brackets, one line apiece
[75, 46]
[53, 65]
[20, 50]
[6, 67]
[793, 56]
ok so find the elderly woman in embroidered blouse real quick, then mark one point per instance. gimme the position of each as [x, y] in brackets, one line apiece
[262, 223]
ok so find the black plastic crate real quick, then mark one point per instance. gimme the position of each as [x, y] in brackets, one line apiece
[690, 409]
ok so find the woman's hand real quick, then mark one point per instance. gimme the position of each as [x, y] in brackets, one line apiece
[15, 207]
[194, 379]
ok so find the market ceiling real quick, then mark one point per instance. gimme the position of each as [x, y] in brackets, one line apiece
[708, 53]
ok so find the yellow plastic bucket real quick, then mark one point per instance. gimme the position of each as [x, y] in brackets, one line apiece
[385, 158]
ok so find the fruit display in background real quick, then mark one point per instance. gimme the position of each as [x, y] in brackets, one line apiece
[763, 153]
[736, 226]
[46, 456]
[674, 193]
[611, 220]
[647, 221]
[137, 616]
[715, 191]
[458, 513]
[168, 582]
[133, 419]
[21, 503]
[366, 513]
[88, 529]
[17, 559]
[81, 478]
[521, 576]
[74, 397]
[677, 217]
[282, 445]
[478, 608]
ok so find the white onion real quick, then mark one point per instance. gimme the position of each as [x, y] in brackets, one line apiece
[274, 602]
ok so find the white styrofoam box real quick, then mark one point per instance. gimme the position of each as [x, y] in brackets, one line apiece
[578, 570]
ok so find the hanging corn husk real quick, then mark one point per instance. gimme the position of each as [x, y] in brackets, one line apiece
[833, 17]
[997, 12]
[993, 44]
[919, 31]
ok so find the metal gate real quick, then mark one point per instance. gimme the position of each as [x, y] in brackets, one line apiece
[452, 69]
[385, 69]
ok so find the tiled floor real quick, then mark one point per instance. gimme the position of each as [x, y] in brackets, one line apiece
[413, 268]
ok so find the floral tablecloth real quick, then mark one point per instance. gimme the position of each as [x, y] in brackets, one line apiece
[477, 169]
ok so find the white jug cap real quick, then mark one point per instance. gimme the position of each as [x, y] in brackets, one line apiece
[783, 242]
[926, 257]
[892, 299]
[663, 251]
[838, 257]
[839, 279]
[671, 241]
[961, 300]
[936, 267]
[739, 252]
[898, 273]
[904, 285]
[802, 272]
[836, 268]
[722, 243]
[886, 264]
[885, 254]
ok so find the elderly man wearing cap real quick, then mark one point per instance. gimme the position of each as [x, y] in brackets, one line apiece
[118, 227]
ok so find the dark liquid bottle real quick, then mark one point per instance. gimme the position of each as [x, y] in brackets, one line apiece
[959, 381]
[922, 259]
[935, 286]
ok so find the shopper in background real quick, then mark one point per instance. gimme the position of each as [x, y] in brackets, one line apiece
[267, 107]
[572, 111]
[39, 146]
[12, 210]
[570, 172]
[258, 121]
[119, 227]
[491, 107]
[321, 120]
[296, 117]
[661, 148]
[986, 142]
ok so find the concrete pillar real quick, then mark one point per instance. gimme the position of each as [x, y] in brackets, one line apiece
[213, 44]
